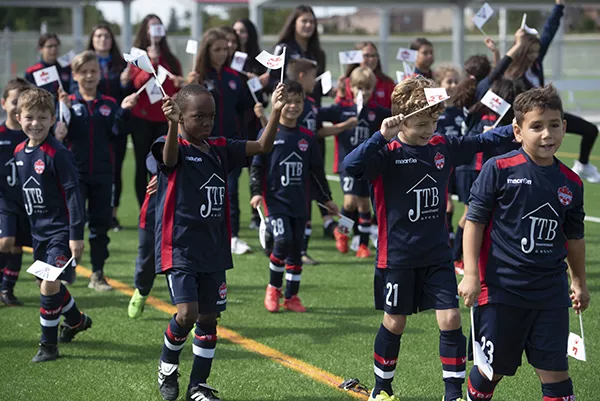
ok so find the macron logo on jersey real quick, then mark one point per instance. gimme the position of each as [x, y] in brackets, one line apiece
[215, 197]
[542, 230]
[427, 199]
[406, 161]
[195, 159]
[293, 165]
[518, 181]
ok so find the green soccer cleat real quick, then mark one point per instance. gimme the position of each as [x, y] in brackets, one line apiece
[136, 304]
[383, 396]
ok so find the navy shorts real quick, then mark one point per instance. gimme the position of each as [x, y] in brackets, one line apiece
[506, 331]
[464, 182]
[354, 186]
[408, 291]
[55, 252]
[288, 235]
[208, 289]
[15, 224]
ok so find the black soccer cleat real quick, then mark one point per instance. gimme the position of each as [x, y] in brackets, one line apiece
[46, 352]
[9, 299]
[67, 333]
[168, 380]
[202, 392]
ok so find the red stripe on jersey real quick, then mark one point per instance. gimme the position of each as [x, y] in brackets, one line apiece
[47, 149]
[437, 139]
[34, 68]
[483, 261]
[570, 174]
[20, 147]
[306, 131]
[382, 242]
[2, 128]
[72, 97]
[110, 99]
[453, 361]
[166, 247]
[383, 361]
[393, 145]
[144, 211]
[478, 161]
[336, 155]
[217, 141]
[489, 117]
[511, 161]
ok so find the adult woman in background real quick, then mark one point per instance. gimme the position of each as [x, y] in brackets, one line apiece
[48, 47]
[148, 121]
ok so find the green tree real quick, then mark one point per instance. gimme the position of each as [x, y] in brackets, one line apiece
[173, 25]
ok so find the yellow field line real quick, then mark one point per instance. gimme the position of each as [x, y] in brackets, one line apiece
[299, 366]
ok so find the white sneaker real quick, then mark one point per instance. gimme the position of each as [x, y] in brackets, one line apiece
[355, 243]
[587, 171]
[239, 247]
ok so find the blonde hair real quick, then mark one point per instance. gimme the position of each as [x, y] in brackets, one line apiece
[363, 76]
[36, 99]
[409, 96]
[82, 58]
[443, 70]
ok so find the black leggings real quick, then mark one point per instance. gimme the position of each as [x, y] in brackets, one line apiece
[144, 133]
[120, 149]
[588, 132]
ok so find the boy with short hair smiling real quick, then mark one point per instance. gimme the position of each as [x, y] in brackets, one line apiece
[525, 217]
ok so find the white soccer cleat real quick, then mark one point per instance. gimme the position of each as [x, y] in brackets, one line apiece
[587, 171]
[239, 247]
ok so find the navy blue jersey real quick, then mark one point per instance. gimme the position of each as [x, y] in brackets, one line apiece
[110, 79]
[63, 72]
[409, 192]
[92, 128]
[49, 181]
[451, 121]
[309, 117]
[285, 174]
[10, 192]
[369, 121]
[192, 209]
[530, 212]
[148, 209]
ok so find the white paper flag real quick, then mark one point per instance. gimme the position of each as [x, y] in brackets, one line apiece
[262, 229]
[162, 73]
[271, 61]
[576, 347]
[531, 31]
[46, 76]
[191, 47]
[326, 81]
[495, 103]
[479, 358]
[157, 30]
[254, 84]
[359, 102]
[153, 91]
[238, 61]
[410, 56]
[351, 57]
[136, 52]
[483, 15]
[47, 272]
[409, 70]
[65, 60]
[399, 76]
[65, 113]
[435, 95]
[345, 225]
[142, 61]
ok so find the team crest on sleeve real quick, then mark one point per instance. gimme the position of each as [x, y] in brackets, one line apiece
[371, 116]
[223, 291]
[303, 145]
[78, 109]
[39, 166]
[380, 93]
[440, 160]
[565, 196]
[232, 85]
[104, 110]
[60, 261]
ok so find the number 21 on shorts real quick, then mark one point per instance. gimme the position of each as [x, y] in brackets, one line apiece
[391, 298]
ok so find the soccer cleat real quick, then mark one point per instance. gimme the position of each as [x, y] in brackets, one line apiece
[239, 247]
[136, 304]
[341, 241]
[307, 260]
[168, 380]
[115, 225]
[98, 283]
[9, 299]
[363, 252]
[294, 304]
[587, 171]
[459, 267]
[46, 352]
[202, 392]
[272, 298]
[383, 396]
[329, 231]
[67, 333]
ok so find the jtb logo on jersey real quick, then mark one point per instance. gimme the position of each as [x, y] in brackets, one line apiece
[215, 197]
[12, 178]
[292, 170]
[427, 200]
[34, 198]
[542, 231]
[310, 121]
[360, 134]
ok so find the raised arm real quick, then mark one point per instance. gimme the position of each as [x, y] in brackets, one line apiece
[550, 28]
[265, 143]
[171, 147]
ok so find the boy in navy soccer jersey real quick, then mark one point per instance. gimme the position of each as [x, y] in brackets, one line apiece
[192, 228]
[358, 128]
[14, 225]
[48, 178]
[525, 217]
[282, 181]
[409, 168]
[95, 120]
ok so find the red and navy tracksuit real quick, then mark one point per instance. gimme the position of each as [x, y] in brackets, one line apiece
[63, 72]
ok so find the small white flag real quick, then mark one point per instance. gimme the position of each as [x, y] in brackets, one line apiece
[435, 95]
[345, 225]
[483, 15]
[65, 113]
[46, 76]
[495, 103]
[531, 31]
[409, 70]
[47, 272]
[65, 60]
[153, 91]
[399, 76]
[359, 102]
[162, 73]
[191, 47]
[136, 52]
[141, 62]
[157, 30]
[410, 56]
[262, 228]
[238, 61]
[271, 61]
[326, 81]
[576, 347]
[254, 84]
[479, 358]
[351, 57]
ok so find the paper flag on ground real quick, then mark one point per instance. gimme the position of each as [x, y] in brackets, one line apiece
[483, 15]
[191, 47]
[435, 95]
[157, 30]
[351, 57]
[153, 91]
[576, 347]
[65, 60]
[46, 76]
[326, 81]
[359, 103]
[495, 103]
[47, 272]
[408, 55]
[479, 358]
[136, 52]
[409, 70]
[142, 62]
[254, 84]
[271, 61]
[238, 61]
[399, 76]
[531, 31]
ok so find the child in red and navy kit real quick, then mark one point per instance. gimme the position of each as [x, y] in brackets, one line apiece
[409, 168]
[48, 45]
[358, 128]
[95, 120]
[281, 180]
[192, 230]
[14, 225]
[525, 217]
[48, 178]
